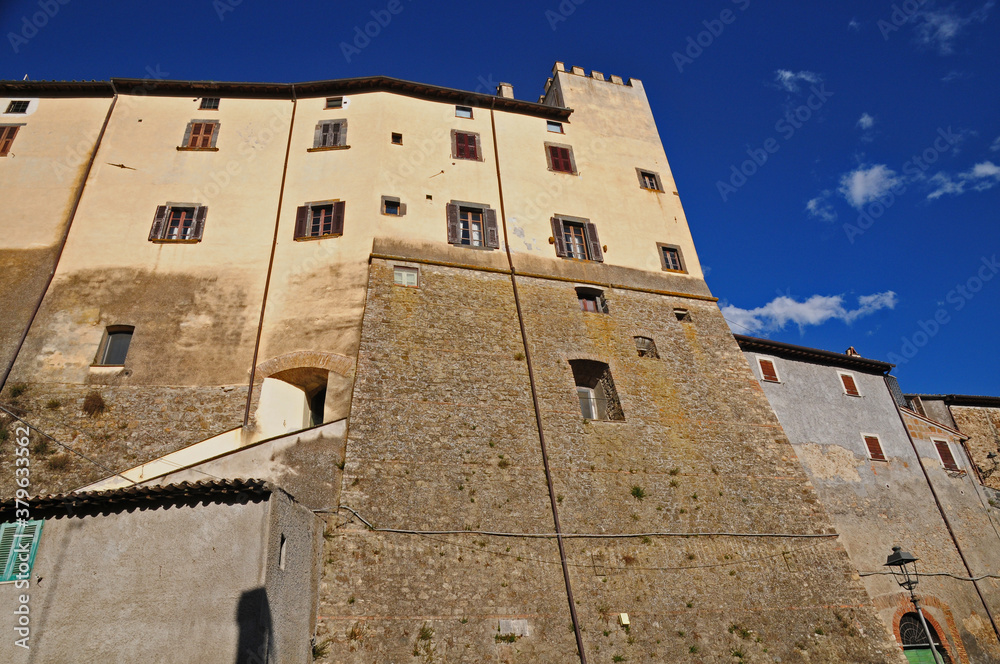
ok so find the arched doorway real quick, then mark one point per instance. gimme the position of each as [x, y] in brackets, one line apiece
[914, 641]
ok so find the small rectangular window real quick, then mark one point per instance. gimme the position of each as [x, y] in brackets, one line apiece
[874, 448]
[649, 180]
[682, 315]
[392, 207]
[7, 134]
[405, 276]
[209, 104]
[646, 347]
[670, 258]
[319, 220]
[463, 111]
[17, 107]
[334, 102]
[397, 139]
[768, 371]
[282, 552]
[15, 539]
[850, 386]
[555, 127]
[947, 458]
[114, 350]
[592, 299]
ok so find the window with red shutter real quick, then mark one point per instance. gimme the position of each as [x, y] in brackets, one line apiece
[944, 451]
[560, 159]
[7, 134]
[874, 448]
[767, 370]
[850, 386]
[465, 145]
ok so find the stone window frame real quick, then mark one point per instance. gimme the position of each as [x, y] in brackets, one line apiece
[774, 365]
[662, 248]
[569, 156]
[594, 296]
[476, 145]
[592, 243]
[644, 184]
[327, 138]
[400, 206]
[491, 227]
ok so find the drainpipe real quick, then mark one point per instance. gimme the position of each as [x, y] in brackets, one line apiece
[270, 265]
[947, 523]
[534, 401]
[62, 242]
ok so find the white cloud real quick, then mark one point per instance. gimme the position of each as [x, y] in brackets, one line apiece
[996, 145]
[854, 25]
[821, 207]
[955, 75]
[939, 28]
[866, 121]
[790, 80]
[980, 177]
[817, 310]
[863, 185]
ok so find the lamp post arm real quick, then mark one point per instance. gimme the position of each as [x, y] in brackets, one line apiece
[927, 631]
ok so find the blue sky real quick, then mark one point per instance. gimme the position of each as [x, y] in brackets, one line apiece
[838, 161]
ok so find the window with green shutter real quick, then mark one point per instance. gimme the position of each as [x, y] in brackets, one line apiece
[18, 545]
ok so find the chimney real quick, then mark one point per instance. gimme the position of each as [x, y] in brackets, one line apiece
[852, 353]
[505, 90]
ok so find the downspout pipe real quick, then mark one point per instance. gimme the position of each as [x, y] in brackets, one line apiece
[947, 523]
[534, 401]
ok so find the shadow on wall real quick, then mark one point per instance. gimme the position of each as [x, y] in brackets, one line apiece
[253, 617]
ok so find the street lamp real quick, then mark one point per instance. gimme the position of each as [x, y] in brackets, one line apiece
[903, 566]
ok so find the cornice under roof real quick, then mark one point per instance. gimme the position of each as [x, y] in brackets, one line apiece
[959, 399]
[814, 355]
[154, 87]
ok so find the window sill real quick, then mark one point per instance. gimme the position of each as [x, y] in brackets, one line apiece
[768, 380]
[106, 368]
[308, 238]
[469, 246]
[169, 241]
[389, 214]
[327, 148]
[552, 170]
[879, 460]
[658, 191]
[856, 396]
[183, 149]
[664, 269]
[479, 159]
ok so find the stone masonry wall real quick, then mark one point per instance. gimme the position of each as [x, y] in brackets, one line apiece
[442, 437]
[982, 426]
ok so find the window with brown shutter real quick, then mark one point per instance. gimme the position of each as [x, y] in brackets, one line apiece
[7, 134]
[947, 458]
[465, 145]
[323, 219]
[850, 386]
[330, 134]
[178, 222]
[767, 370]
[576, 238]
[200, 135]
[560, 158]
[874, 448]
[472, 225]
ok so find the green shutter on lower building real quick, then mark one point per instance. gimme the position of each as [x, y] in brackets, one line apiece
[14, 537]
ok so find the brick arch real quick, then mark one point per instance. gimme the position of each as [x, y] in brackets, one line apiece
[338, 364]
[948, 636]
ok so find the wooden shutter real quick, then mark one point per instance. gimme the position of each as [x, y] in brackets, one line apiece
[560, 160]
[850, 387]
[7, 135]
[318, 135]
[473, 145]
[944, 451]
[187, 135]
[454, 227]
[874, 448]
[302, 222]
[159, 219]
[767, 371]
[593, 242]
[200, 213]
[558, 233]
[492, 229]
[213, 131]
[338, 217]
[342, 134]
